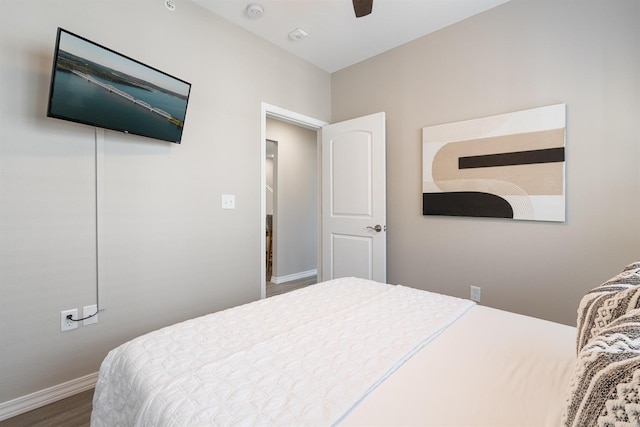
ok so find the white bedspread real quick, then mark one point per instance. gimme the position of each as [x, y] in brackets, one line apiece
[491, 368]
[304, 358]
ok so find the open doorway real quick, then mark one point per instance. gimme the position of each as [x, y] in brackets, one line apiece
[280, 115]
[292, 206]
[352, 226]
[270, 200]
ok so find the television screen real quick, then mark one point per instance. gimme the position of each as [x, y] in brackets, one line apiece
[97, 86]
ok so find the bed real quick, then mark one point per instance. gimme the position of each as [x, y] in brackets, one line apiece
[353, 352]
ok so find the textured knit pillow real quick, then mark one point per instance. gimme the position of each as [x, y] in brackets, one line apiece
[607, 302]
[632, 266]
[605, 387]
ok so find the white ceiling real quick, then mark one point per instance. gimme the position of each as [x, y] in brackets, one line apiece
[337, 39]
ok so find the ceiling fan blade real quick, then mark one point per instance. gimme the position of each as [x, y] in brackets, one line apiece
[362, 7]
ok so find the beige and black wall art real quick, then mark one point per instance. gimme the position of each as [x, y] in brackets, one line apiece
[505, 166]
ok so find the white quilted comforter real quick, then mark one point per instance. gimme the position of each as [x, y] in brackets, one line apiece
[302, 358]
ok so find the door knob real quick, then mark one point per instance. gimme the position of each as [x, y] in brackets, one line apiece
[377, 228]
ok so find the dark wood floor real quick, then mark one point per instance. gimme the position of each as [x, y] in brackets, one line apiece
[75, 411]
[273, 289]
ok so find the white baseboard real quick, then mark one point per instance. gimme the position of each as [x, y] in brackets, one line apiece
[295, 276]
[44, 397]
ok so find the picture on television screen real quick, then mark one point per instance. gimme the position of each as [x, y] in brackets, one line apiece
[97, 86]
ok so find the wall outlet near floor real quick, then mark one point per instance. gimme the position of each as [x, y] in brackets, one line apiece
[474, 293]
[89, 310]
[65, 323]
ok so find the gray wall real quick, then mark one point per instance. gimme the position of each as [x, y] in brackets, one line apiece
[523, 54]
[169, 251]
[296, 207]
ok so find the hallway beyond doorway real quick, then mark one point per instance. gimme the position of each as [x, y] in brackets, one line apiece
[273, 289]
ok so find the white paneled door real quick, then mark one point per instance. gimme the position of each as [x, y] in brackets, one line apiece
[354, 216]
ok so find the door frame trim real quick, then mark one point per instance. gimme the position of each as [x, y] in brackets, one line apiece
[275, 112]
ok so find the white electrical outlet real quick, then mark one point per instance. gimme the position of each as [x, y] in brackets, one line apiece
[474, 293]
[228, 201]
[89, 310]
[67, 324]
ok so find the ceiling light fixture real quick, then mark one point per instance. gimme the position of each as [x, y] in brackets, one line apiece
[170, 5]
[254, 11]
[298, 34]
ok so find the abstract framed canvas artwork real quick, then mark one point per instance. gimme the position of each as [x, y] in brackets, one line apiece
[504, 166]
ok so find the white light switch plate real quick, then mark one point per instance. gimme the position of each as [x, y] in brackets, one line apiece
[228, 201]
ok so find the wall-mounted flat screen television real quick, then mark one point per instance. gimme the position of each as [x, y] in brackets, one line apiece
[96, 86]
